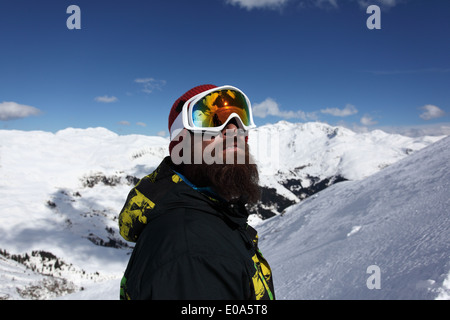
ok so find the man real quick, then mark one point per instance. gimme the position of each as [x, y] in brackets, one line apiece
[188, 218]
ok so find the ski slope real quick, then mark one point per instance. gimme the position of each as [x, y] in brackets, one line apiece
[397, 219]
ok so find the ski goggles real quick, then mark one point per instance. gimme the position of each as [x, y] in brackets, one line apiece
[211, 110]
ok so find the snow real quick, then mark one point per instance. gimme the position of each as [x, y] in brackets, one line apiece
[304, 150]
[107, 290]
[38, 169]
[60, 195]
[397, 219]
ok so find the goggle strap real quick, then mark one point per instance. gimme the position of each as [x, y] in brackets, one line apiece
[177, 126]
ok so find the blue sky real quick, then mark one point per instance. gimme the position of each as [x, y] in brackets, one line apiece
[297, 60]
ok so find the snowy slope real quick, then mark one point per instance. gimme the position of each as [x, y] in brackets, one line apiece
[60, 195]
[397, 219]
[322, 150]
[298, 159]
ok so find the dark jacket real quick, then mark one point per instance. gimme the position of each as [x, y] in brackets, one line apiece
[189, 244]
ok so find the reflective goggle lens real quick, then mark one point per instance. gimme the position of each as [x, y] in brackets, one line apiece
[214, 109]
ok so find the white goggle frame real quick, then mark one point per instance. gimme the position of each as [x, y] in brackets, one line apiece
[184, 119]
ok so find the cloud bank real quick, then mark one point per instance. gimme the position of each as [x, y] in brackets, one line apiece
[322, 4]
[347, 111]
[149, 84]
[368, 121]
[258, 4]
[13, 110]
[431, 112]
[269, 107]
[106, 99]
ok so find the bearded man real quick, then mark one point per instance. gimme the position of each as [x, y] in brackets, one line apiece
[189, 217]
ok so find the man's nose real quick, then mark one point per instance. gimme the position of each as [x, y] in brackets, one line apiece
[231, 127]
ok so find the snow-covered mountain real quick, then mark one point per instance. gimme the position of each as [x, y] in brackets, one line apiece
[60, 195]
[384, 237]
[298, 160]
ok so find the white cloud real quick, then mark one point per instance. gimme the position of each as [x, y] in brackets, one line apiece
[258, 4]
[161, 133]
[368, 121]
[269, 107]
[347, 111]
[431, 112]
[150, 84]
[324, 4]
[383, 3]
[13, 110]
[142, 124]
[124, 123]
[106, 99]
[265, 108]
[436, 129]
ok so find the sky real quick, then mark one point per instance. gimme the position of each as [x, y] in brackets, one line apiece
[121, 64]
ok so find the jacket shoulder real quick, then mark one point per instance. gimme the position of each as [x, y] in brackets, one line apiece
[144, 199]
